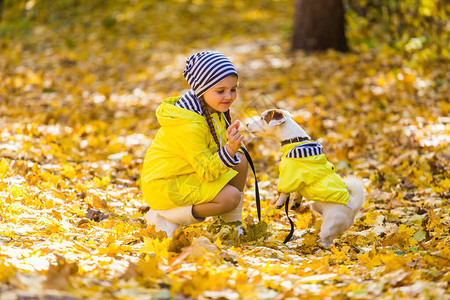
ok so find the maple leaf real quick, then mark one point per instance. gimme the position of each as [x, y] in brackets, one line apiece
[96, 215]
[179, 241]
[146, 270]
[7, 271]
[4, 167]
[159, 248]
[200, 249]
[58, 276]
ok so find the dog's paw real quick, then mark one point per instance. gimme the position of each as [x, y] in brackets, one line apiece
[295, 206]
[278, 206]
[280, 203]
[325, 244]
[281, 200]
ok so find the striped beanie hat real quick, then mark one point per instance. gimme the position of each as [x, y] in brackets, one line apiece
[205, 69]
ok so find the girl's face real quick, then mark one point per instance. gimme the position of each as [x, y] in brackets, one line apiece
[220, 97]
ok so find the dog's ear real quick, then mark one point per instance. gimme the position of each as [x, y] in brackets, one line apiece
[291, 115]
[275, 117]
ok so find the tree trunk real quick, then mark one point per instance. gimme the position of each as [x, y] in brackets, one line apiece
[319, 25]
[1, 9]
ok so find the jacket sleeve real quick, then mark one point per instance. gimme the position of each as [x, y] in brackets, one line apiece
[227, 159]
[194, 148]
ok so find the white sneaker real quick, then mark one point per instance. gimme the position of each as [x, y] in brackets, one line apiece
[153, 218]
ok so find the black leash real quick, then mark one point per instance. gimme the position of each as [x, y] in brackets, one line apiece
[286, 209]
[258, 201]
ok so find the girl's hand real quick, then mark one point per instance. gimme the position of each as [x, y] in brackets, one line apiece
[234, 138]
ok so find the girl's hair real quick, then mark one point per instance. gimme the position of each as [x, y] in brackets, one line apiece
[210, 122]
[228, 117]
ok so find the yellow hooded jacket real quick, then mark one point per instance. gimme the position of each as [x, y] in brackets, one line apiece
[312, 176]
[182, 165]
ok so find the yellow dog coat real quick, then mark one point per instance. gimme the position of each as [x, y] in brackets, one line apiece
[305, 169]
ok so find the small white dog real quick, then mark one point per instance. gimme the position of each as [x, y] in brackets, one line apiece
[305, 169]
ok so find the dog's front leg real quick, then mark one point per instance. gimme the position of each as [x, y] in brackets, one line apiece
[281, 200]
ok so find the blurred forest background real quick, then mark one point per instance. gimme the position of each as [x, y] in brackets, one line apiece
[80, 81]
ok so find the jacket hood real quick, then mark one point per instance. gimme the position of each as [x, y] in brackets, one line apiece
[170, 115]
[309, 150]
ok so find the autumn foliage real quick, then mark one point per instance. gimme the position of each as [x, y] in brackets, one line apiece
[79, 84]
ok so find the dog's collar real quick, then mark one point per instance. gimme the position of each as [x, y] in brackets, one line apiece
[294, 140]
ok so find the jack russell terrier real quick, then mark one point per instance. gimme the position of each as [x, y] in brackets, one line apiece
[305, 169]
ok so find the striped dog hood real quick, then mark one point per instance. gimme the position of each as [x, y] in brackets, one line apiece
[305, 150]
[203, 71]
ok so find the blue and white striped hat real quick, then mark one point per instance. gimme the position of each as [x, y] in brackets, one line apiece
[205, 69]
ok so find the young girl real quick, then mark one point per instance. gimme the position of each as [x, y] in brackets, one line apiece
[193, 169]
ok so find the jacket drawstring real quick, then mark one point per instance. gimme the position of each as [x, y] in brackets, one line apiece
[218, 128]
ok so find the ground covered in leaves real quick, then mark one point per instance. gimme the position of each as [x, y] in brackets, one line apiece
[77, 98]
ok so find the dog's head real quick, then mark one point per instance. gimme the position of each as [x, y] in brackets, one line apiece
[270, 123]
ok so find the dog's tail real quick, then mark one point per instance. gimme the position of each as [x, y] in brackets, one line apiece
[356, 190]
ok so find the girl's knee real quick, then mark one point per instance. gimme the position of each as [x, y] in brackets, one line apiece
[232, 199]
[236, 199]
